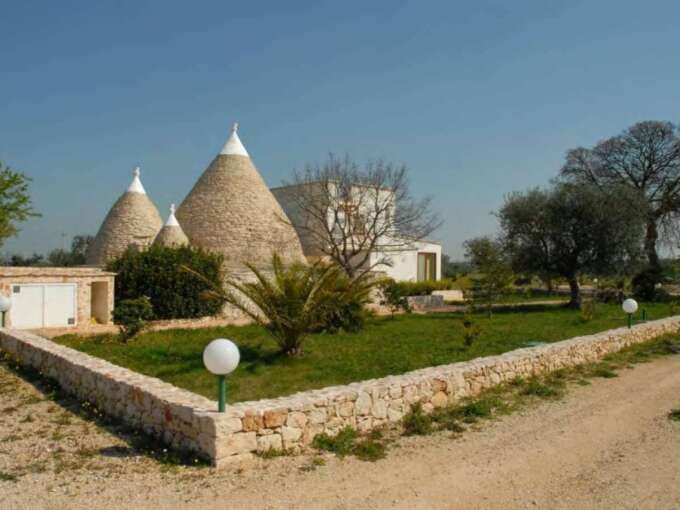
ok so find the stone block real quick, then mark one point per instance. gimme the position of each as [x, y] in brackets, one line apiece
[275, 417]
[270, 442]
[363, 404]
[297, 419]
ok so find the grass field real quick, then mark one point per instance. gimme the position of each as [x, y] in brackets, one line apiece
[386, 346]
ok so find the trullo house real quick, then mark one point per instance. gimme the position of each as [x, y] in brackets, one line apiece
[132, 221]
[230, 210]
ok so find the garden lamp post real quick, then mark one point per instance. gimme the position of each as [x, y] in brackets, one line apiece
[221, 357]
[5, 305]
[630, 306]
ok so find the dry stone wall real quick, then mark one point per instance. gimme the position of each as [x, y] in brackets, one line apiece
[187, 421]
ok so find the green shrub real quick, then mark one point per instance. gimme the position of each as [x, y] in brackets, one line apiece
[161, 274]
[416, 422]
[348, 442]
[393, 296]
[344, 309]
[341, 444]
[536, 388]
[471, 330]
[645, 284]
[587, 310]
[424, 288]
[132, 315]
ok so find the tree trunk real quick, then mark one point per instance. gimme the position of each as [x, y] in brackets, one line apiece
[651, 237]
[575, 291]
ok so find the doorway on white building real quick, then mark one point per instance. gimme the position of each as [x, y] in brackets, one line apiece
[427, 266]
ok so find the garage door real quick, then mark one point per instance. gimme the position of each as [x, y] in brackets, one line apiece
[43, 305]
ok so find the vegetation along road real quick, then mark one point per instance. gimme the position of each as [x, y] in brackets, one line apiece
[610, 442]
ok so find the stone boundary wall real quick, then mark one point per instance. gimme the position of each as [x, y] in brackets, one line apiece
[187, 421]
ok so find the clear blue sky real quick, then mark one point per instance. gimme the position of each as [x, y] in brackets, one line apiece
[477, 98]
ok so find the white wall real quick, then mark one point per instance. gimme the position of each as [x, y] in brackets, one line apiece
[405, 262]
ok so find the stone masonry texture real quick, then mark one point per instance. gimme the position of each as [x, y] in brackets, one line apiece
[187, 421]
[231, 211]
[133, 220]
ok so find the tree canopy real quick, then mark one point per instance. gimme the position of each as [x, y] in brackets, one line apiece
[15, 201]
[644, 158]
[487, 256]
[570, 229]
[347, 212]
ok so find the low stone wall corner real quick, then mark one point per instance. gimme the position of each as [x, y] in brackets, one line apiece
[188, 421]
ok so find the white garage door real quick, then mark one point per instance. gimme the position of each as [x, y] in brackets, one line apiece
[43, 305]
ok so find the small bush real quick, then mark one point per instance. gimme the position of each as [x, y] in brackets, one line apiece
[674, 415]
[603, 370]
[587, 311]
[471, 331]
[393, 296]
[416, 422]
[424, 288]
[538, 389]
[348, 442]
[645, 284]
[344, 310]
[370, 450]
[341, 444]
[8, 477]
[132, 315]
[473, 411]
[161, 274]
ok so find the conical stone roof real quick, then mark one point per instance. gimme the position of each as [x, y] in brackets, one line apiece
[230, 210]
[133, 220]
[171, 234]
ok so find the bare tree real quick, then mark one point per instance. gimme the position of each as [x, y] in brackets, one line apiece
[356, 215]
[646, 158]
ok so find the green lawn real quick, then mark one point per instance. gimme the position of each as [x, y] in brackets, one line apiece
[386, 346]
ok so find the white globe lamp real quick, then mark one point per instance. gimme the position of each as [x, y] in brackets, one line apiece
[221, 357]
[630, 306]
[5, 305]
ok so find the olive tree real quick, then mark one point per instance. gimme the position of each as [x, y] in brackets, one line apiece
[570, 229]
[644, 158]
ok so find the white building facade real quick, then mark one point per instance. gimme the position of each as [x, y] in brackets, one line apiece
[398, 259]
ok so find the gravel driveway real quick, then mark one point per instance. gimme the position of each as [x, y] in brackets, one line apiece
[607, 445]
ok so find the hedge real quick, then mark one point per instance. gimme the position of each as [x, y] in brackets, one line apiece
[158, 274]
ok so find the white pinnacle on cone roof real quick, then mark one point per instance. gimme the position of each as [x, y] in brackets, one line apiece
[136, 184]
[172, 221]
[234, 146]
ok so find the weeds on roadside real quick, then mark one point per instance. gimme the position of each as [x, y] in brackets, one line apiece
[416, 422]
[8, 477]
[348, 442]
[272, 453]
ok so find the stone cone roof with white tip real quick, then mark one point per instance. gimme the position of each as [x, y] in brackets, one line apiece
[230, 210]
[132, 221]
[171, 234]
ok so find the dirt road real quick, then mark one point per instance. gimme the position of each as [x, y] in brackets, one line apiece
[607, 445]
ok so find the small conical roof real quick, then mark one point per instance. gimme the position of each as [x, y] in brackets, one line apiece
[230, 210]
[171, 234]
[133, 220]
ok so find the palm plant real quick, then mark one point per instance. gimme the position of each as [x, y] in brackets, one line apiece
[294, 300]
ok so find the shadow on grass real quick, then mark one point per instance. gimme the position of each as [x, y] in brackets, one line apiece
[138, 443]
